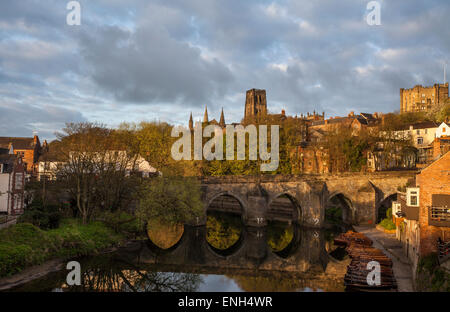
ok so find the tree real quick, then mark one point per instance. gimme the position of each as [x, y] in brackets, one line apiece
[170, 199]
[97, 167]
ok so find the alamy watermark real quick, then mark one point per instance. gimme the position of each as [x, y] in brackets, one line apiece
[182, 148]
[373, 18]
[74, 276]
[73, 18]
[374, 276]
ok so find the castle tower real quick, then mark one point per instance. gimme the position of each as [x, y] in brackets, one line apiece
[205, 116]
[222, 120]
[255, 103]
[191, 123]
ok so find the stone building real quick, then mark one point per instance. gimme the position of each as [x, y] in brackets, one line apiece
[423, 99]
[255, 103]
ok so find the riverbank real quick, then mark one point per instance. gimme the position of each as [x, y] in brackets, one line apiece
[24, 245]
[393, 249]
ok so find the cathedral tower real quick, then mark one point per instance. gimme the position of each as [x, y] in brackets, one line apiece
[255, 103]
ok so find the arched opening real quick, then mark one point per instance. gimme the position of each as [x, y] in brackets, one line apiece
[163, 235]
[384, 206]
[282, 217]
[284, 208]
[224, 226]
[338, 211]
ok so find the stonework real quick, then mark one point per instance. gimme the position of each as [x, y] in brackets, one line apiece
[422, 99]
[309, 194]
[255, 103]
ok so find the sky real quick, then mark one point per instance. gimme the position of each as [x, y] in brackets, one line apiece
[150, 60]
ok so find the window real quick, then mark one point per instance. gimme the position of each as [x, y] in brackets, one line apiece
[412, 196]
[443, 129]
[19, 181]
[418, 131]
[426, 131]
[419, 141]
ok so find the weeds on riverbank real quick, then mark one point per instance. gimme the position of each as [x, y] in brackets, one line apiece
[23, 245]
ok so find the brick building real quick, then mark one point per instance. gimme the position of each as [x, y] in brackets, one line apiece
[434, 217]
[423, 99]
[28, 148]
[422, 214]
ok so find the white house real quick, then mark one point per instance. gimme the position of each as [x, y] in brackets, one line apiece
[49, 168]
[443, 130]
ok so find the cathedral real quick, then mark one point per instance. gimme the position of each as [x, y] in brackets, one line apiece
[255, 108]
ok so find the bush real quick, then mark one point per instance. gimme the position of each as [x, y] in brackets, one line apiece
[389, 213]
[122, 222]
[388, 224]
[43, 216]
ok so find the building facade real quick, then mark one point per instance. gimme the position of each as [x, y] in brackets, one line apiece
[12, 181]
[29, 150]
[422, 99]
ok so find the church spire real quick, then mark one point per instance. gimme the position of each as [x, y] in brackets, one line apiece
[222, 120]
[205, 117]
[191, 122]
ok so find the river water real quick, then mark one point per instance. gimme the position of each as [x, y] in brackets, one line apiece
[272, 258]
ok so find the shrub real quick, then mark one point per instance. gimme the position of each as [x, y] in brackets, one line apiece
[43, 216]
[388, 224]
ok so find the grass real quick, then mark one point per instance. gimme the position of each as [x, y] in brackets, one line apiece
[23, 245]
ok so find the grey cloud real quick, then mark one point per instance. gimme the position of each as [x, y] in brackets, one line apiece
[148, 66]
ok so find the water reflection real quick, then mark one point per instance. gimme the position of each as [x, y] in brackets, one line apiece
[164, 235]
[223, 230]
[279, 257]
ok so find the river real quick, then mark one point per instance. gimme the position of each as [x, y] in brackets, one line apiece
[216, 257]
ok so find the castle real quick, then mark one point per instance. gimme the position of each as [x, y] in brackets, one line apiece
[423, 99]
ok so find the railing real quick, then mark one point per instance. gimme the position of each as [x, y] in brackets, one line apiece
[439, 216]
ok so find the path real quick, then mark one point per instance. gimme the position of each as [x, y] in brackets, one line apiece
[393, 249]
[11, 221]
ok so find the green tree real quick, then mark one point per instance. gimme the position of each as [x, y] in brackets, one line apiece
[170, 199]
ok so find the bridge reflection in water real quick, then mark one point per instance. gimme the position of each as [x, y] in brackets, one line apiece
[193, 265]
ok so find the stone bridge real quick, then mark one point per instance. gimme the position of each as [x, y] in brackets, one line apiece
[361, 193]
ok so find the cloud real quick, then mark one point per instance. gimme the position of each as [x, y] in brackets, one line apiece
[158, 59]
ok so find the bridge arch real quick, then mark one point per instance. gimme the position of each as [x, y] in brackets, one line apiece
[383, 205]
[295, 205]
[348, 209]
[242, 202]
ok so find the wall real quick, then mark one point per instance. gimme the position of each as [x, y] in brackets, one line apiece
[435, 179]
[4, 188]
[420, 99]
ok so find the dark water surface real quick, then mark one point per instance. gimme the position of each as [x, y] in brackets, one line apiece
[217, 257]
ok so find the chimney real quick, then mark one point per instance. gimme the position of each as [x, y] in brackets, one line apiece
[352, 114]
[283, 112]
